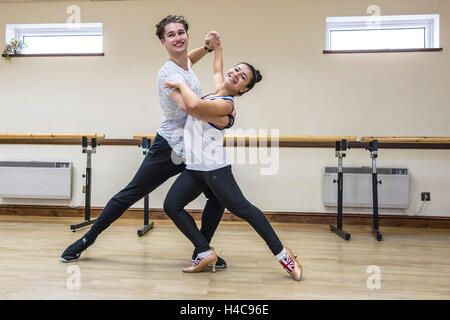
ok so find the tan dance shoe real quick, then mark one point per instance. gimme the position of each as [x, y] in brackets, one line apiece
[199, 264]
[291, 265]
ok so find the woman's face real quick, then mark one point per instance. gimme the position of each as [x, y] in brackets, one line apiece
[238, 78]
[176, 38]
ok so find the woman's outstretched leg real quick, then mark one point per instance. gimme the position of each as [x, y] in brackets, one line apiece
[223, 184]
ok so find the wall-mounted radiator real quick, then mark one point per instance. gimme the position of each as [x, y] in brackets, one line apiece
[393, 192]
[33, 179]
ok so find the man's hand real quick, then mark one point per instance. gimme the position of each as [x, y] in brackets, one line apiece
[233, 113]
[212, 40]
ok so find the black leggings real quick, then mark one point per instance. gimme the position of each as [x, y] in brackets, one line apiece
[156, 168]
[190, 184]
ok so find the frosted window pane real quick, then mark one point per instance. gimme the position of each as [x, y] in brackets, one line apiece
[377, 39]
[63, 44]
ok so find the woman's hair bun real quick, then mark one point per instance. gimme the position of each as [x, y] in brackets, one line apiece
[258, 76]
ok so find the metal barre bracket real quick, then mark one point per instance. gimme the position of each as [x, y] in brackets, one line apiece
[87, 188]
[373, 148]
[341, 148]
[146, 144]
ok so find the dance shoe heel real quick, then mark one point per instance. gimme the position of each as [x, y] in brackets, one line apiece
[199, 264]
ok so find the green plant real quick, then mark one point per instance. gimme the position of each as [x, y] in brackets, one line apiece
[13, 47]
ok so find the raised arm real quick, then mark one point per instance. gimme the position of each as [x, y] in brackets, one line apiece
[218, 67]
[197, 54]
[219, 121]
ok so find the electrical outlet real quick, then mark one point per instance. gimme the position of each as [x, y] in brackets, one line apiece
[425, 196]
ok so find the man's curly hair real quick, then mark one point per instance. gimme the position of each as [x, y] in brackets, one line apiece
[170, 19]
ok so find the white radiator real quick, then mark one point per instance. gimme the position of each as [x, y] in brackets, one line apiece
[393, 192]
[32, 179]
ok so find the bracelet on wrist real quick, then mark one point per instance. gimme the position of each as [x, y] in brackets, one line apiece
[206, 49]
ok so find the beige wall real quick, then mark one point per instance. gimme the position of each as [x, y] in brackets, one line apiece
[303, 92]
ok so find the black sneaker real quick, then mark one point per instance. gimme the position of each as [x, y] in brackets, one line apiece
[220, 264]
[73, 252]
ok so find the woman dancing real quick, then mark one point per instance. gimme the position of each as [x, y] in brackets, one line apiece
[207, 165]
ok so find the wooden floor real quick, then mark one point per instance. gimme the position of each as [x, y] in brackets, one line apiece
[413, 263]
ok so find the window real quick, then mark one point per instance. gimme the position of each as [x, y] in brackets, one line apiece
[63, 38]
[382, 32]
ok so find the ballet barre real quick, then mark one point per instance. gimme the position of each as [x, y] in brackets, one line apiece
[89, 145]
[373, 148]
[339, 141]
[48, 136]
[341, 144]
[443, 140]
[284, 141]
[372, 145]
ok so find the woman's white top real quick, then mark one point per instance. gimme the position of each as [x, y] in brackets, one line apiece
[203, 143]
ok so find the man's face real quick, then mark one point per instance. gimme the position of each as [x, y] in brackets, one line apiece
[176, 38]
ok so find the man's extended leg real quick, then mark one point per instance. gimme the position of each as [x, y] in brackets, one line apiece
[155, 169]
[212, 214]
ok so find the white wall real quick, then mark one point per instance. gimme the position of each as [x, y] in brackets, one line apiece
[303, 92]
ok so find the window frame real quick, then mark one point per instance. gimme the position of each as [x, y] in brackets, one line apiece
[428, 21]
[18, 31]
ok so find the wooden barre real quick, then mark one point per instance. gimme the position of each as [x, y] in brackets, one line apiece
[283, 139]
[289, 138]
[269, 138]
[407, 139]
[140, 136]
[51, 136]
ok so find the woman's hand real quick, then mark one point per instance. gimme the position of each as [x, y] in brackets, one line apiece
[212, 40]
[172, 84]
